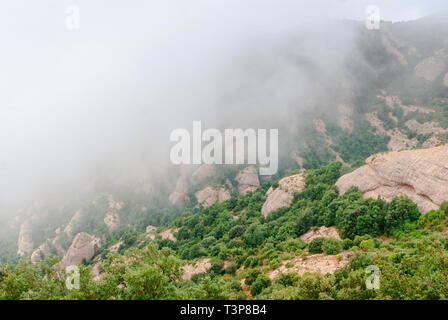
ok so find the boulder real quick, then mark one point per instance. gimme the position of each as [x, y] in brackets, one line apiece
[25, 243]
[247, 180]
[112, 221]
[322, 232]
[70, 228]
[284, 194]
[421, 175]
[43, 251]
[209, 195]
[82, 248]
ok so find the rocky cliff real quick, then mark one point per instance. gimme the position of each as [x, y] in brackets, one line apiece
[421, 175]
[283, 195]
[82, 247]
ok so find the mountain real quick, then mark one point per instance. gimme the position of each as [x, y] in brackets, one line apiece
[362, 182]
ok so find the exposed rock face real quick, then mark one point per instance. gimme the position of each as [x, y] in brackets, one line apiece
[25, 243]
[425, 128]
[151, 232]
[57, 244]
[168, 234]
[319, 263]
[445, 80]
[112, 221]
[398, 141]
[179, 195]
[322, 232]
[43, 251]
[209, 195]
[83, 247]
[115, 247]
[200, 266]
[283, 195]
[70, 228]
[247, 180]
[421, 175]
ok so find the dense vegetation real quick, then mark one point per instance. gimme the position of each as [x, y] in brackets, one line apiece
[409, 249]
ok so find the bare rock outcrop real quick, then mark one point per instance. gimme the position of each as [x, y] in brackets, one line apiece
[201, 266]
[421, 175]
[112, 221]
[70, 228]
[42, 252]
[247, 180]
[25, 243]
[322, 232]
[283, 195]
[82, 248]
[179, 195]
[319, 263]
[168, 234]
[209, 195]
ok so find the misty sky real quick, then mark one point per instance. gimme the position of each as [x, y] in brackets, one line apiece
[112, 91]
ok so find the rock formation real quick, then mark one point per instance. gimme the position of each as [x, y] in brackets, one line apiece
[247, 180]
[209, 195]
[283, 195]
[322, 232]
[112, 221]
[179, 195]
[25, 243]
[200, 266]
[43, 251]
[421, 175]
[83, 247]
[70, 228]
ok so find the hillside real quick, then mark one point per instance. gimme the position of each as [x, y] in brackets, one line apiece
[362, 182]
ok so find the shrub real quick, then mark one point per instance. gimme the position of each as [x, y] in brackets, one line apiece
[332, 246]
[315, 246]
[260, 283]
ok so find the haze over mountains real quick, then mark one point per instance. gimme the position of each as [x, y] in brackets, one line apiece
[96, 178]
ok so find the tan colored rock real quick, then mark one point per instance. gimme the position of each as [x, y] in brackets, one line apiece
[112, 221]
[200, 266]
[247, 180]
[426, 127]
[322, 232]
[168, 234]
[82, 247]
[43, 251]
[150, 229]
[284, 194]
[421, 175]
[209, 195]
[179, 195]
[69, 229]
[316, 263]
[57, 244]
[25, 243]
[115, 247]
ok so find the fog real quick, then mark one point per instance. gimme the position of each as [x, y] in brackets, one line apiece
[106, 96]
